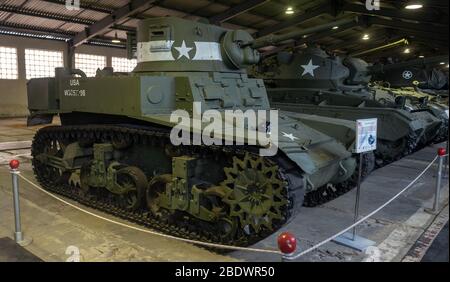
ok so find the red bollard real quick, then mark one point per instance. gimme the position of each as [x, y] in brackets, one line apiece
[287, 243]
[14, 164]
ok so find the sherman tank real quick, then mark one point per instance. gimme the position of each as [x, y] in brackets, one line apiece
[115, 149]
[314, 82]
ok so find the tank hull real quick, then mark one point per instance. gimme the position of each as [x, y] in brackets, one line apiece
[114, 141]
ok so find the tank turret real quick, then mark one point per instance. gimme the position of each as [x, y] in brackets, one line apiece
[318, 69]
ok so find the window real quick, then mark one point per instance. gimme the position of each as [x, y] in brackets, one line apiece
[123, 64]
[89, 63]
[8, 63]
[42, 63]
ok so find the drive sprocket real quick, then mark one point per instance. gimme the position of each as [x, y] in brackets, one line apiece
[255, 192]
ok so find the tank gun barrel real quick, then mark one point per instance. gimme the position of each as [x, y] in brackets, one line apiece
[273, 39]
[417, 63]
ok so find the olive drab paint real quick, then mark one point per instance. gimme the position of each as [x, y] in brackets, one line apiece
[315, 82]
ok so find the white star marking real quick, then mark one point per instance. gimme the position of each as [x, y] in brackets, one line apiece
[290, 136]
[407, 74]
[309, 68]
[183, 50]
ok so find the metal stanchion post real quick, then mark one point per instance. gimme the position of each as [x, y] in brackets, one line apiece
[287, 243]
[366, 141]
[437, 194]
[358, 193]
[352, 240]
[446, 162]
[18, 235]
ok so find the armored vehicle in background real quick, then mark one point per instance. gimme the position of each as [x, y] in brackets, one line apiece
[424, 77]
[114, 149]
[314, 82]
[422, 86]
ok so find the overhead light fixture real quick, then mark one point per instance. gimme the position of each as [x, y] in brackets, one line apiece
[413, 6]
[407, 51]
[442, 63]
[366, 37]
[116, 39]
[421, 56]
[335, 27]
[289, 11]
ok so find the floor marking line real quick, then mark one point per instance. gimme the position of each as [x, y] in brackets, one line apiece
[426, 239]
[365, 217]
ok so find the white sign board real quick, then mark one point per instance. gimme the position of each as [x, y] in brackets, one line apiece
[366, 135]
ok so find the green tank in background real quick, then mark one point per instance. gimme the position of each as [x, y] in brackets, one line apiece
[423, 86]
[416, 100]
[424, 78]
[314, 82]
[113, 150]
[406, 79]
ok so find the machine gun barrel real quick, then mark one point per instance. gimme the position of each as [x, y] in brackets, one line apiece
[412, 63]
[273, 39]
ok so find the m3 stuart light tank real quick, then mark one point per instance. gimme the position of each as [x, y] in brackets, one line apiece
[313, 82]
[113, 151]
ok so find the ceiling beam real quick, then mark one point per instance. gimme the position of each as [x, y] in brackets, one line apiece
[297, 19]
[28, 29]
[426, 35]
[63, 18]
[313, 38]
[407, 26]
[46, 15]
[84, 6]
[380, 46]
[47, 33]
[135, 6]
[349, 41]
[236, 10]
[417, 16]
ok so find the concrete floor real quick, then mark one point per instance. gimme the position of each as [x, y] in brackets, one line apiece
[55, 227]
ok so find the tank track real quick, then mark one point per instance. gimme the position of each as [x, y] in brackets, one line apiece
[188, 227]
[442, 135]
[330, 192]
[411, 146]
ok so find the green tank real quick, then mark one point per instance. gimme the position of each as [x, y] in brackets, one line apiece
[422, 86]
[416, 100]
[314, 82]
[113, 149]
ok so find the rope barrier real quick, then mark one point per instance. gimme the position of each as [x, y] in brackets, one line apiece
[219, 246]
[235, 248]
[293, 257]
